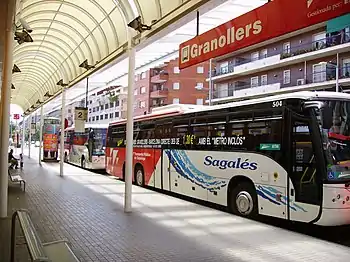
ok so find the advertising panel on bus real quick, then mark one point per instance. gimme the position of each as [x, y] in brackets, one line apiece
[271, 20]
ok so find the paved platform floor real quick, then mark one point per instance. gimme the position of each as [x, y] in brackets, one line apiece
[87, 210]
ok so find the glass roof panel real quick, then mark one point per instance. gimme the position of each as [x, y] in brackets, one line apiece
[66, 32]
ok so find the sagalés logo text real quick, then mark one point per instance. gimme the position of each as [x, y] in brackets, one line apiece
[232, 35]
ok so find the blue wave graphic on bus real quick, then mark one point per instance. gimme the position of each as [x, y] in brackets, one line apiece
[269, 193]
[183, 166]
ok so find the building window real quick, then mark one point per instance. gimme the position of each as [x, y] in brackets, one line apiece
[176, 86]
[143, 75]
[254, 56]
[117, 103]
[319, 40]
[111, 104]
[264, 80]
[93, 119]
[254, 81]
[135, 92]
[200, 69]
[199, 101]
[106, 106]
[263, 53]
[116, 114]
[94, 109]
[319, 72]
[199, 86]
[111, 115]
[286, 77]
[106, 116]
[143, 90]
[97, 118]
[142, 104]
[89, 119]
[176, 100]
[286, 48]
[101, 117]
[101, 107]
[176, 70]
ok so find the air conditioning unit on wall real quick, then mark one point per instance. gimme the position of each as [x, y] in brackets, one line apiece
[300, 82]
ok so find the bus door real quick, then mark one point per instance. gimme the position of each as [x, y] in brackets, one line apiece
[304, 186]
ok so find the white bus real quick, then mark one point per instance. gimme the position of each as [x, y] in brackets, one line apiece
[286, 156]
[86, 149]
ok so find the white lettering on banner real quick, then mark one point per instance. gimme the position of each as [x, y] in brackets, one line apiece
[328, 8]
[232, 35]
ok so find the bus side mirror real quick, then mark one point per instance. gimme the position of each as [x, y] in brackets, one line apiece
[327, 117]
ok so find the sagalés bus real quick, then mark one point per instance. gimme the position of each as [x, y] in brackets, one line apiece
[286, 156]
[86, 149]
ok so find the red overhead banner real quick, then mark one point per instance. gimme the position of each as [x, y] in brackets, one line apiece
[271, 20]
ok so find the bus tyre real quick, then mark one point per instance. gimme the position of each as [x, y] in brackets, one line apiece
[244, 200]
[139, 176]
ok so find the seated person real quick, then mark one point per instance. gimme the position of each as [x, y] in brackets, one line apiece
[12, 160]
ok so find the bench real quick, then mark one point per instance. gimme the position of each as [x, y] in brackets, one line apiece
[17, 178]
[38, 251]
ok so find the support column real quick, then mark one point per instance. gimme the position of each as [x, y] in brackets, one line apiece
[41, 132]
[5, 105]
[30, 119]
[23, 135]
[62, 131]
[210, 82]
[337, 75]
[129, 126]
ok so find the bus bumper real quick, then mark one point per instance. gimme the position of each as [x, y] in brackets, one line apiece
[336, 205]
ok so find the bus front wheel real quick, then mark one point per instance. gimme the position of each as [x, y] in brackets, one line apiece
[83, 162]
[244, 200]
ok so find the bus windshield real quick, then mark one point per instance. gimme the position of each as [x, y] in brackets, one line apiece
[97, 138]
[336, 140]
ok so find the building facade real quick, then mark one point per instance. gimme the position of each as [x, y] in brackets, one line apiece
[315, 58]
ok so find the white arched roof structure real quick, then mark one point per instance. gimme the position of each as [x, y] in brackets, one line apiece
[66, 32]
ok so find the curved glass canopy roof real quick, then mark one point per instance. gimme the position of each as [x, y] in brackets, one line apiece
[67, 32]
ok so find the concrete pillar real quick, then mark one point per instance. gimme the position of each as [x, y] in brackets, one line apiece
[30, 119]
[41, 132]
[129, 127]
[5, 104]
[62, 131]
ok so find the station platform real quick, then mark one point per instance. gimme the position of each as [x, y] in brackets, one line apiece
[87, 210]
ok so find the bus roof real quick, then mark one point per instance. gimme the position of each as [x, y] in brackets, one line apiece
[96, 126]
[181, 109]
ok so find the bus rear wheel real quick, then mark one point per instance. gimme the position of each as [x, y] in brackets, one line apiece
[244, 200]
[139, 176]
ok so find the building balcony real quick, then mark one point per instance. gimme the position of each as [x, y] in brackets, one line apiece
[296, 54]
[325, 80]
[162, 77]
[159, 93]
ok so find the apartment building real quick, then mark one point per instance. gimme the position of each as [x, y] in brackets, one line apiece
[166, 84]
[315, 58]
[104, 106]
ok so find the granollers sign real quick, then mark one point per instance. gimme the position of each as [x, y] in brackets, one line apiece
[271, 20]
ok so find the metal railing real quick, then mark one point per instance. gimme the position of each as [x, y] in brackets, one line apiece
[317, 77]
[311, 46]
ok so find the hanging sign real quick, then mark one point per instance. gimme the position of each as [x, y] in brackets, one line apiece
[273, 19]
[16, 116]
[33, 128]
[80, 118]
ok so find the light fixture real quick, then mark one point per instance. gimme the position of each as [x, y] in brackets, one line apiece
[60, 83]
[86, 65]
[23, 37]
[13, 87]
[47, 95]
[137, 25]
[15, 69]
